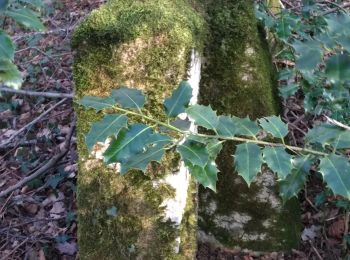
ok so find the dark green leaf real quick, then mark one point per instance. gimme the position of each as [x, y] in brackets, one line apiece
[275, 126]
[153, 152]
[214, 147]
[110, 125]
[278, 160]
[27, 18]
[226, 126]
[338, 67]
[7, 49]
[127, 144]
[326, 134]
[248, 161]
[289, 90]
[194, 153]
[179, 100]
[295, 181]
[336, 171]
[97, 103]
[203, 116]
[206, 176]
[182, 124]
[309, 54]
[129, 98]
[245, 126]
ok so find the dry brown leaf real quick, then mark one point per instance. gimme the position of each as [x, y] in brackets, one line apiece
[336, 229]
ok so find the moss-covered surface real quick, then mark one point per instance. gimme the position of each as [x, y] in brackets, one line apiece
[143, 44]
[238, 79]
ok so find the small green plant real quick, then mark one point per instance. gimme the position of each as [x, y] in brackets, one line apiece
[135, 145]
[24, 13]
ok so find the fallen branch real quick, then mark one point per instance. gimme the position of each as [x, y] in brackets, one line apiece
[52, 162]
[35, 93]
[8, 141]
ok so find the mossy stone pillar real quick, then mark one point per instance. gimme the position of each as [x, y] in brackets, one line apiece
[147, 45]
[238, 79]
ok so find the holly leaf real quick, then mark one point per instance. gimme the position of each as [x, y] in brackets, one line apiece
[97, 103]
[110, 125]
[206, 176]
[9, 74]
[289, 90]
[309, 54]
[153, 152]
[178, 102]
[214, 147]
[275, 126]
[326, 134]
[338, 67]
[248, 161]
[129, 98]
[203, 116]
[291, 186]
[245, 126]
[7, 49]
[194, 153]
[336, 171]
[226, 127]
[127, 144]
[278, 160]
[27, 18]
[182, 124]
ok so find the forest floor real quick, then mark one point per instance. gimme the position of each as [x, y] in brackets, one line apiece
[38, 213]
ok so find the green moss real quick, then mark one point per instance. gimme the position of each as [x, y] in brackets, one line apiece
[142, 44]
[239, 79]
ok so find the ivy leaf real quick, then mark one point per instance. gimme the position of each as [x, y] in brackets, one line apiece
[177, 103]
[97, 103]
[248, 161]
[336, 171]
[27, 18]
[128, 143]
[275, 126]
[110, 125]
[203, 116]
[154, 152]
[338, 67]
[278, 160]
[245, 126]
[226, 127]
[7, 49]
[206, 176]
[194, 153]
[326, 134]
[290, 186]
[129, 98]
[9, 74]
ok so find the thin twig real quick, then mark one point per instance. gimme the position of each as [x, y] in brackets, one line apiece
[337, 123]
[6, 142]
[343, 6]
[44, 168]
[14, 250]
[35, 93]
[346, 230]
[316, 251]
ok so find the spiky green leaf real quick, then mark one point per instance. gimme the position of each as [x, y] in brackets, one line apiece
[110, 125]
[278, 160]
[245, 126]
[248, 161]
[194, 153]
[7, 49]
[289, 90]
[178, 102]
[153, 152]
[203, 116]
[275, 126]
[326, 134]
[206, 176]
[338, 67]
[227, 126]
[27, 18]
[291, 186]
[336, 173]
[129, 98]
[128, 143]
[214, 147]
[97, 103]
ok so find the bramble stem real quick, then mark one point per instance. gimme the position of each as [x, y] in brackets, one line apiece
[237, 139]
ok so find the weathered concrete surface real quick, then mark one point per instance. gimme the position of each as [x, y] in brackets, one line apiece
[238, 79]
[143, 44]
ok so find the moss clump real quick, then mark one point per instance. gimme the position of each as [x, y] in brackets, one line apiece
[143, 44]
[239, 79]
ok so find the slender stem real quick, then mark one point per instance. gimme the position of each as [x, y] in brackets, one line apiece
[234, 138]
